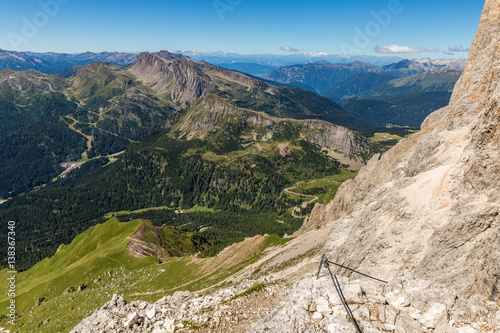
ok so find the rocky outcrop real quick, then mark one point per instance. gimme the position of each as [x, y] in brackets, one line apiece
[226, 310]
[163, 243]
[214, 113]
[336, 137]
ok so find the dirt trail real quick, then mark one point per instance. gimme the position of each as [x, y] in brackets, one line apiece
[292, 260]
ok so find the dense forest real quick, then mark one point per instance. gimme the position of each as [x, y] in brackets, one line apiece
[244, 191]
[30, 157]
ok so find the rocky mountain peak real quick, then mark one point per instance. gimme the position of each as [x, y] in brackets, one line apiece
[173, 56]
[163, 57]
[172, 75]
[147, 59]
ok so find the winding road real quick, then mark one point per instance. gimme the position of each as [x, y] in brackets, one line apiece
[289, 190]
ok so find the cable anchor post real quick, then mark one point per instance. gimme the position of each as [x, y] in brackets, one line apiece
[323, 261]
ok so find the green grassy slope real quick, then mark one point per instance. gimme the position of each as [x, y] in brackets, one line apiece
[98, 259]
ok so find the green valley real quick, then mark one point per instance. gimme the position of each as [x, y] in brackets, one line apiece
[243, 188]
[101, 108]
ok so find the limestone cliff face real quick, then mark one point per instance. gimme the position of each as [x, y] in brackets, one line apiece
[424, 217]
[429, 208]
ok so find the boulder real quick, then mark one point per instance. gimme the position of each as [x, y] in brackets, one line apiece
[436, 315]
[131, 320]
[337, 325]
[151, 313]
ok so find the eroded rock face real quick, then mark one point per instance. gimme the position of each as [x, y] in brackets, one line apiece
[429, 207]
[172, 75]
[213, 113]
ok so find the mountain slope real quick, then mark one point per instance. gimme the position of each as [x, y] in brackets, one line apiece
[84, 274]
[318, 75]
[426, 64]
[368, 85]
[249, 68]
[405, 101]
[56, 61]
[402, 110]
[230, 170]
[30, 96]
[19, 61]
[109, 106]
[185, 80]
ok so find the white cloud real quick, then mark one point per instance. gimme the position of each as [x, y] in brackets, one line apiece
[403, 49]
[289, 49]
[458, 48]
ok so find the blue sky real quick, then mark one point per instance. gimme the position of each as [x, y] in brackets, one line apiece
[242, 26]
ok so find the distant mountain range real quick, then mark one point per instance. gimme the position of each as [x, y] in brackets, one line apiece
[338, 81]
[321, 77]
[251, 64]
[403, 93]
[50, 61]
[286, 59]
